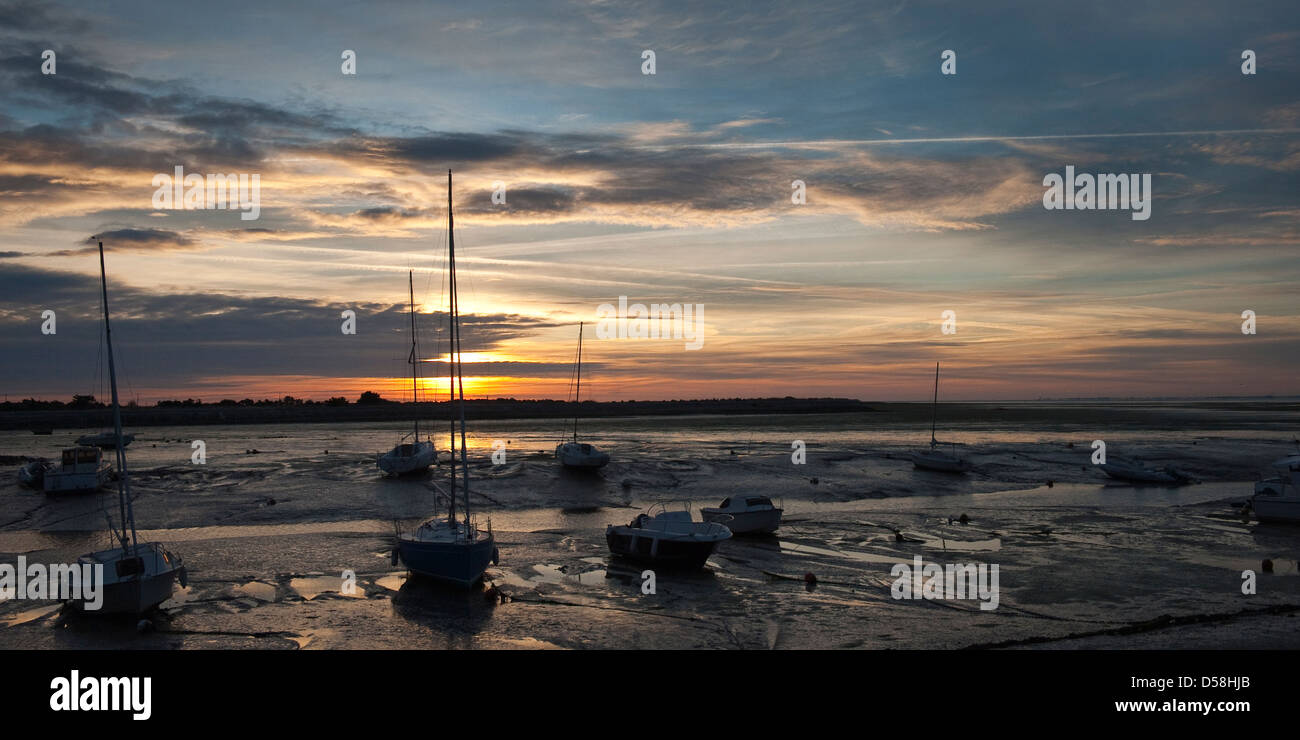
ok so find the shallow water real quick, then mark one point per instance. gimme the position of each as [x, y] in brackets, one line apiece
[267, 536]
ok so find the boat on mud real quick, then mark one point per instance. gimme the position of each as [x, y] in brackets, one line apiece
[666, 537]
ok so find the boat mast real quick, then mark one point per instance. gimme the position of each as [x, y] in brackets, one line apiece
[577, 394]
[934, 410]
[460, 370]
[123, 480]
[451, 346]
[415, 384]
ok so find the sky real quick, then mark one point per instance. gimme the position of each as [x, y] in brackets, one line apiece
[923, 194]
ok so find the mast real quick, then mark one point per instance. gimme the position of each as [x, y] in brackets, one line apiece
[415, 384]
[123, 480]
[577, 393]
[451, 345]
[460, 371]
[934, 412]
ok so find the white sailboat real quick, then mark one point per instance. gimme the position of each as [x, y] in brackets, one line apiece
[446, 549]
[575, 454]
[135, 576]
[935, 458]
[415, 456]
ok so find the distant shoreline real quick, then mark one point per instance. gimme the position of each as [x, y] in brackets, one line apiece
[1099, 415]
[15, 416]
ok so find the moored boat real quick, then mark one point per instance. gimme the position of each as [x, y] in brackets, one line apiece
[135, 576]
[666, 537]
[104, 440]
[79, 469]
[447, 549]
[33, 473]
[574, 454]
[935, 458]
[745, 514]
[1278, 499]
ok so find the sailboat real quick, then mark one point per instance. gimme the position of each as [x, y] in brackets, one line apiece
[135, 576]
[447, 549]
[414, 456]
[935, 458]
[575, 454]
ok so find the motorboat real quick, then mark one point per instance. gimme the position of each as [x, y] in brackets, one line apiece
[745, 514]
[666, 537]
[1278, 499]
[79, 469]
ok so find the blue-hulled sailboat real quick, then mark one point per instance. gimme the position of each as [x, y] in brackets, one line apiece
[447, 549]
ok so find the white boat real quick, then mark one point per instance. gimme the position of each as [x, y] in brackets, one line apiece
[745, 514]
[575, 454]
[447, 549]
[104, 440]
[666, 537]
[33, 473]
[935, 458]
[1135, 472]
[79, 469]
[1278, 499]
[136, 576]
[417, 455]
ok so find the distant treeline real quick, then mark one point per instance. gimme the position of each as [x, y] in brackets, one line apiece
[88, 412]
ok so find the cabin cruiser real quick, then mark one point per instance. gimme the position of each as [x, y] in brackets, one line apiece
[745, 514]
[80, 469]
[1278, 499]
[666, 537]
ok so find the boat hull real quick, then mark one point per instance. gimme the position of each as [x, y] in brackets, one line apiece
[56, 481]
[765, 521]
[940, 463]
[573, 456]
[641, 547]
[458, 563]
[134, 594]
[421, 456]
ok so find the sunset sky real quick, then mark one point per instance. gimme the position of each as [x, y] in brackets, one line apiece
[924, 194]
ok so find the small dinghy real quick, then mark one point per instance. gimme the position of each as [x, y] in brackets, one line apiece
[745, 514]
[32, 474]
[666, 537]
[1132, 471]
